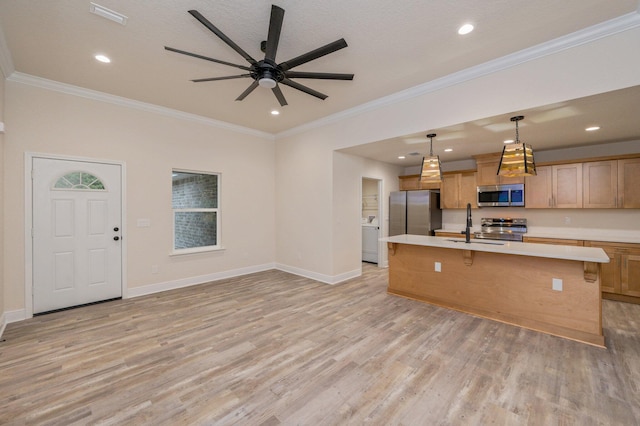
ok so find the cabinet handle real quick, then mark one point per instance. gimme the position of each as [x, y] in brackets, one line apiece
[550, 202]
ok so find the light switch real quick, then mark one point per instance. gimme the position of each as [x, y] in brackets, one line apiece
[556, 284]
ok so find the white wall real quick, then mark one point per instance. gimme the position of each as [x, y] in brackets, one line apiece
[348, 172]
[2, 286]
[44, 121]
[586, 69]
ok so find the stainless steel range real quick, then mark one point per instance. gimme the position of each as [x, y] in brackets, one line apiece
[510, 229]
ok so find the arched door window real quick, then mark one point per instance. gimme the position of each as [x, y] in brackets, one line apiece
[79, 180]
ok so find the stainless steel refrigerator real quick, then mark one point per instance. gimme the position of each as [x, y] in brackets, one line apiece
[414, 212]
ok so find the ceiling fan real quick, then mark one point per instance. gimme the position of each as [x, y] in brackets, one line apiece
[266, 72]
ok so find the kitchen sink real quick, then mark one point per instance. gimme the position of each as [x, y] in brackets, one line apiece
[493, 243]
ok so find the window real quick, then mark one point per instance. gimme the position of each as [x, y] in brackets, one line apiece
[196, 217]
[79, 180]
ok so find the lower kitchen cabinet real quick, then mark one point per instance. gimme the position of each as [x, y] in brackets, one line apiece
[449, 234]
[554, 241]
[620, 279]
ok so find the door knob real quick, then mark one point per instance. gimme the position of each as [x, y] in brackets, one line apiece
[116, 238]
[116, 229]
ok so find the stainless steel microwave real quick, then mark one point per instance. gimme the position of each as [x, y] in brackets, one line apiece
[511, 195]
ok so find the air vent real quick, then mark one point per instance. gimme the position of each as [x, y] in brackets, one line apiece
[107, 13]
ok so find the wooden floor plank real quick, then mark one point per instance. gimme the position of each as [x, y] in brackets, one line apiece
[273, 348]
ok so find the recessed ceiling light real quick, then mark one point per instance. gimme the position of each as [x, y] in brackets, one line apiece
[448, 149]
[592, 128]
[401, 157]
[102, 58]
[465, 29]
[508, 141]
[275, 112]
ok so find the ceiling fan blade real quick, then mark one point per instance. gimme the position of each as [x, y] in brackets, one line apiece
[275, 26]
[304, 89]
[206, 58]
[249, 90]
[318, 75]
[276, 91]
[222, 36]
[314, 54]
[229, 77]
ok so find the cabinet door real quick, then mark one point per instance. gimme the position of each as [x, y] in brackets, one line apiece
[600, 185]
[538, 189]
[468, 190]
[629, 183]
[487, 173]
[408, 183]
[567, 186]
[450, 193]
[630, 273]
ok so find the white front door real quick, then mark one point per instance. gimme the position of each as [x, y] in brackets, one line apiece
[77, 216]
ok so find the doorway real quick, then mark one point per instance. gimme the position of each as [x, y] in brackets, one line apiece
[76, 232]
[371, 220]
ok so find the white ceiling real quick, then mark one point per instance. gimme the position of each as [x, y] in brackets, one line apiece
[392, 46]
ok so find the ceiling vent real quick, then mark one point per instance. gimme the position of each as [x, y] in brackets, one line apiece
[108, 14]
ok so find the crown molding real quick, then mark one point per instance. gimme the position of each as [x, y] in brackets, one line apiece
[6, 63]
[69, 89]
[578, 38]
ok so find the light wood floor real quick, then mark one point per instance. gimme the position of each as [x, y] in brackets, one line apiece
[272, 348]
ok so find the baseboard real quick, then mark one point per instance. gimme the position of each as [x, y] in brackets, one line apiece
[186, 282]
[15, 316]
[20, 314]
[327, 279]
[11, 316]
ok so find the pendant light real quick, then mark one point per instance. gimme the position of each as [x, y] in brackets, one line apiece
[431, 170]
[517, 157]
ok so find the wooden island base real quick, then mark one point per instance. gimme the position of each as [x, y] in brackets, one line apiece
[513, 289]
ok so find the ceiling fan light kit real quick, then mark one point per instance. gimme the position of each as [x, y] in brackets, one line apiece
[517, 157]
[267, 72]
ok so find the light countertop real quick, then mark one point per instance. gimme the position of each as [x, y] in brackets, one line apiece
[584, 254]
[604, 235]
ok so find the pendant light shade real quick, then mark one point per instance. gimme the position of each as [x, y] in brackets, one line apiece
[431, 170]
[517, 157]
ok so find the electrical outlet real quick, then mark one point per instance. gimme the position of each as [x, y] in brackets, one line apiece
[556, 284]
[438, 267]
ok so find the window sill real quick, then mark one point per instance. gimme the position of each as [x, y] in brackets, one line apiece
[195, 250]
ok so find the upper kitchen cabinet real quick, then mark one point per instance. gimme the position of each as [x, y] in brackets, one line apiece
[412, 183]
[629, 183]
[567, 186]
[558, 186]
[538, 193]
[487, 170]
[600, 184]
[458, 190]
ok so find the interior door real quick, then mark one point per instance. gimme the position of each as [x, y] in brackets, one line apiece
[77, 253]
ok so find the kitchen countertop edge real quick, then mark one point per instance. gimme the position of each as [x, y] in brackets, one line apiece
[584, 254]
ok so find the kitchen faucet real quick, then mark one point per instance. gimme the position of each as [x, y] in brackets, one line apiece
[467, 232]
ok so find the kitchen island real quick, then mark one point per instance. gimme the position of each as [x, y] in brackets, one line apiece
[553, 289]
